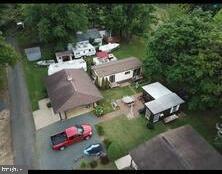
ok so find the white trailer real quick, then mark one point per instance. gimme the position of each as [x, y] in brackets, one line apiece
[73, 64]
[83, 49]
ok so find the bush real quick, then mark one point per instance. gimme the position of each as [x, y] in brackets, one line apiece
[93, 164]
[107, 142]
[99, 111]
[104, 160]
[150, 125]
[100, 130]
[114, 151]
[83, 164]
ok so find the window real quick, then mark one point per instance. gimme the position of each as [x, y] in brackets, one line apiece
[156, 118]
[174, 108]
[127, 72]
[148, 114]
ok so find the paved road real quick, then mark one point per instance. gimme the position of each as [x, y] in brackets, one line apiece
[22, 124]
[72, 155]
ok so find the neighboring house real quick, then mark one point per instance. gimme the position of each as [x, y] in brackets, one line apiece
[83, 49]
[161, 103]
[72, 64]
[118, 71]
[69, 89]
[91, 35]
[103, 57]
[64, 56]
[178, 149]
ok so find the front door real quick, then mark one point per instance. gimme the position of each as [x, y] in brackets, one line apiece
[112, 78]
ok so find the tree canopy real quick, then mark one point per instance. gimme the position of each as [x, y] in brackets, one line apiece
[186, 54]
[55, 22]
[8, 55]
[130, 19]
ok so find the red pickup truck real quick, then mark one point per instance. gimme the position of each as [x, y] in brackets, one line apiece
[71, 135]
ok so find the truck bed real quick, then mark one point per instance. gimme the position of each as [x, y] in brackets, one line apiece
[58, 138]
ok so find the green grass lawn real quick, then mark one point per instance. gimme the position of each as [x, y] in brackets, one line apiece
[35, 82]
[128, 134]
[136, 48]
[114, 94]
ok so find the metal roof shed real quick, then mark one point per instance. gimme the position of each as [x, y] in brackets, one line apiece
[33, 53]
[163, 103]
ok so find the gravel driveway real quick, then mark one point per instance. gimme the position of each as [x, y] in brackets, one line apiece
[70, 157]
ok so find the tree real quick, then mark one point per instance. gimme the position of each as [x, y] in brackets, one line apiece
[129, 19]
[186, 54]
[55, 22]
[8, 55]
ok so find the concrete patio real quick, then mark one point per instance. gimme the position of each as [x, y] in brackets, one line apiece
[45, 116]
[131, 112]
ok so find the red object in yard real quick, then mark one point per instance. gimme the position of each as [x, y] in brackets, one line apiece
[71, 135]
[102, 54]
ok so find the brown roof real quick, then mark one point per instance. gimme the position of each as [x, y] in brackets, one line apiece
[118, 66]
[180, 148]
[70, 88]
[63, 53]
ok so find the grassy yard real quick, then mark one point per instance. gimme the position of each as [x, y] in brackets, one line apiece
[136, 48]
[128, 134]
[35, 82]
[114, 94]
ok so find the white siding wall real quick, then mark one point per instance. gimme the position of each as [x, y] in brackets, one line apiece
[122, 76]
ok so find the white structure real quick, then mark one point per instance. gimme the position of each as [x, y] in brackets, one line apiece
[109, 47]
[73, 64]
[98, 61]
[118, 71]
[64, 56]
[161, 103]
[82, 49]
[92, 35]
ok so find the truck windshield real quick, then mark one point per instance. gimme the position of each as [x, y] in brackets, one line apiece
[80, 129]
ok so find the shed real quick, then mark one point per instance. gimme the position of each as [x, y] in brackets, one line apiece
[33, 54]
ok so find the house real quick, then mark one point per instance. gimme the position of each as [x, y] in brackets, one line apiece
[83, 49]
[118, 71]
[161, 103]
[177, 149]
[64, 56]
[91, 35]
[103, 57]
[72, 64]
[69, 89]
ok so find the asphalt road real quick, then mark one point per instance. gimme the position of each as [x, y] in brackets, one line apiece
[22, 124]
[71, 156]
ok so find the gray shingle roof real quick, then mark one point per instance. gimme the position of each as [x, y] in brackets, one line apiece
[70, 88]
[177, 149]
[163, 103]
[118, 66]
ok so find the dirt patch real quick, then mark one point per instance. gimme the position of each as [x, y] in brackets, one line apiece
[6, 156]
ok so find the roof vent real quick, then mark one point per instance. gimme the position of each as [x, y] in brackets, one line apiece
[69, 78]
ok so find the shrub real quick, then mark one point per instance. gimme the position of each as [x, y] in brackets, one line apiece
[150, 125]
[93, 164]
[114, 151]
[107, 142]
[83, 164]
[100, 130]
[104, 159]
[99, 111]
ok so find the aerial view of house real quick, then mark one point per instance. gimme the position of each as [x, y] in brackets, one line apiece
[110, 86]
